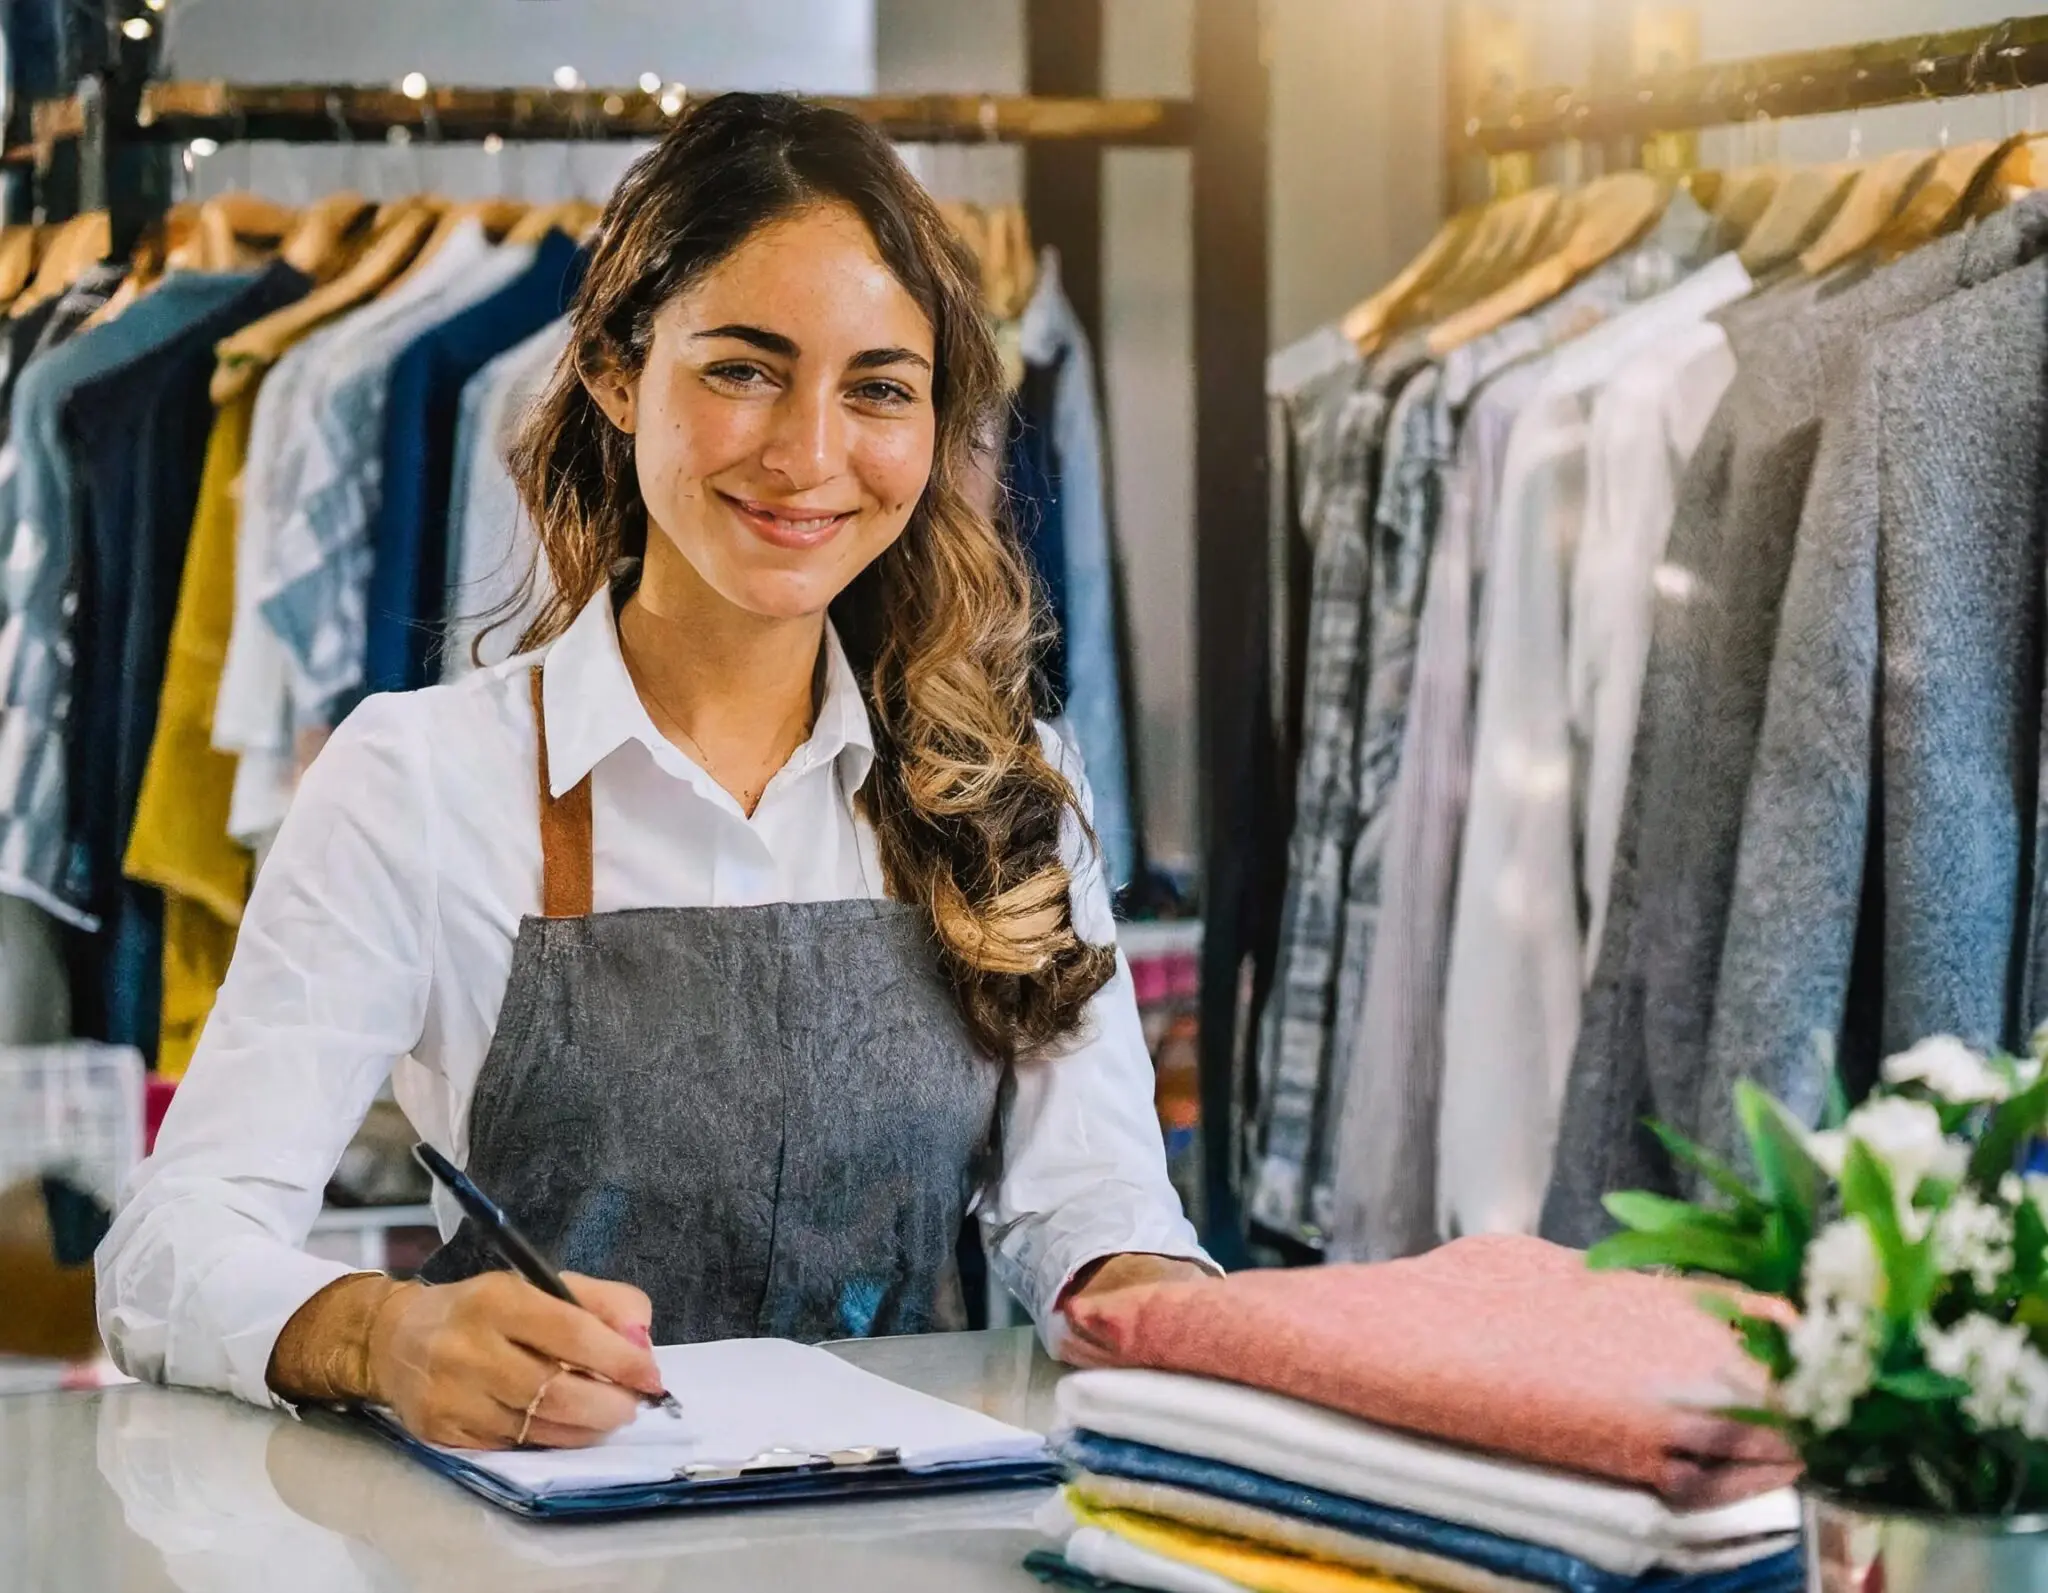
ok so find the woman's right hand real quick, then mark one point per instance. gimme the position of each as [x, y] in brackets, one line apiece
[462, 1364]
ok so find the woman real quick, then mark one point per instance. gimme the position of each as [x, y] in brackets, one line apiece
[802, 944]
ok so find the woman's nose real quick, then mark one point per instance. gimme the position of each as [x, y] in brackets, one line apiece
[806, 438]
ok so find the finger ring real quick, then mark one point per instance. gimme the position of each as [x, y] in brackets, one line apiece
[533, 1405]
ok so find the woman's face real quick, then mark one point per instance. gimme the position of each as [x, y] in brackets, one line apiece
[784, 422]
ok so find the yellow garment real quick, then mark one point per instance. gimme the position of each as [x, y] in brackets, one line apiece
[180, 842]
[1238, 1560]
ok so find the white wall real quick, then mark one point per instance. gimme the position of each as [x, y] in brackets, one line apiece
[818, 46]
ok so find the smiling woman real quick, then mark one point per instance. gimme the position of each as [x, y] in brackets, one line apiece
[742, 935]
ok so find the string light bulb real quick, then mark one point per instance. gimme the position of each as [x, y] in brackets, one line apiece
[413, 85]
[672, 100]
[650, 82]
[202, 147]
[137, 28]
[568, 79]
[494, 144]
[156, 5]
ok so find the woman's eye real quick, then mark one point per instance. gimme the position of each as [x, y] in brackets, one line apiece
[894, 394]
[738, 374]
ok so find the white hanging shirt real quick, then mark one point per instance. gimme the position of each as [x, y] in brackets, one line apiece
[379, 937]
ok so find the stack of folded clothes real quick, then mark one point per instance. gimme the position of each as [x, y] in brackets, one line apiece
[1487, 1418]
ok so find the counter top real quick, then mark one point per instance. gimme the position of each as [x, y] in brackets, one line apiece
[150, 1490]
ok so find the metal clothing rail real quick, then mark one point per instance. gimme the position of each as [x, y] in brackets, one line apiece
[2000, 58]
[302, 113]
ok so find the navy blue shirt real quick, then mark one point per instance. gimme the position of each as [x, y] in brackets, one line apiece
[408, 578]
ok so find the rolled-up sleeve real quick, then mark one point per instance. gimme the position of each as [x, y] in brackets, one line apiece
[328, 988]
[1084, 1162]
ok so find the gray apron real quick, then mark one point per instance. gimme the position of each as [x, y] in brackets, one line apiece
[771, 1119]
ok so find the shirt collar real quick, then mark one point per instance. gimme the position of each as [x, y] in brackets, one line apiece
[592, 708]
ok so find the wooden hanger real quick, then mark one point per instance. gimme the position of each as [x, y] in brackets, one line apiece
[1368, 321]
[236, 223]
[321, 243]
[20, 249]
[257, 347]
[78, 243]
[1873, 203]
[1512, 235]
[1805, 202]
[498, 217]
[1942, 202]
[540, 220]
[1746, 194]
[1613, 213]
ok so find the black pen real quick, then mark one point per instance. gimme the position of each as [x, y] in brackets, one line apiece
[510, 1245]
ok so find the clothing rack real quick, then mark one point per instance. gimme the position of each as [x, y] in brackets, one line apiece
[2001, 58]
[106, 147]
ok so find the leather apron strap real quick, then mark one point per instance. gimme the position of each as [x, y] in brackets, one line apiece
[565, 832]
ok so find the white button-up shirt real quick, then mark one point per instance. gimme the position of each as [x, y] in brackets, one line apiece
[378, 942]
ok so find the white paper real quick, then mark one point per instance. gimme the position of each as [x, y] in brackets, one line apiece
[744, 1397]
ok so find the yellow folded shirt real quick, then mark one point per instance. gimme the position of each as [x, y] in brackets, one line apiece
[1238, 1560]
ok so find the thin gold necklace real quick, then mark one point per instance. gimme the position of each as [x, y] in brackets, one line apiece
[748, 795]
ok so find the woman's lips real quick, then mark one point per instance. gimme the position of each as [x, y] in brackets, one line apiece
[787, 528]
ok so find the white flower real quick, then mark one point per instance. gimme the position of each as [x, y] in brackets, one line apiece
[1829, 1148]
[1834, 1358]
[1906, 1137]
[2008, 1377]
[1950, 1069]
[1973, 1237]
[1842, 1266]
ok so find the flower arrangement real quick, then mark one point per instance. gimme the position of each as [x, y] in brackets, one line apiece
[1913, 1373]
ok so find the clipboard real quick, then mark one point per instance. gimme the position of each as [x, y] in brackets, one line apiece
[812, 1426]
[779, 1477]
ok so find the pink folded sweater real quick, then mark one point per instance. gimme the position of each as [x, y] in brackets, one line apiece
[1503, 1344]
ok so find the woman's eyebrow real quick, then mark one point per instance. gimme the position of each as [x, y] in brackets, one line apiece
[758, 337]
[875, 358]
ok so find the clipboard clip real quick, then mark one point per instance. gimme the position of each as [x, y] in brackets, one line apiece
[793, 1462]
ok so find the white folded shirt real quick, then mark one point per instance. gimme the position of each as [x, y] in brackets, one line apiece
[1625, 1530]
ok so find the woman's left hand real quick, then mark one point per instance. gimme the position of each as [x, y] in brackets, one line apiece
[1107, 1276]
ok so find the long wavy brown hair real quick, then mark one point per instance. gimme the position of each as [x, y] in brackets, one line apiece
[965, 804]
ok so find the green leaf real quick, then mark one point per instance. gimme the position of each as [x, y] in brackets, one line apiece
[1688, 1249]
[1792, 1180]
[1646, 1213]
[2012, 1125]
[1911, 1277]
[1923, 1386]
[1718, 1173]
[1834, 1110]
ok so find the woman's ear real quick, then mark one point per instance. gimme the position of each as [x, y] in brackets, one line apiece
[616, 394]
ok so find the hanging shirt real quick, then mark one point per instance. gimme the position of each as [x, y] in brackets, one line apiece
[316, 596]
[254, 719]
[380, 936]
[1511, 1009]
[493, 548]
[37, 861]
[136, 436]
[408, 574]
[1094, 701]
[1646, 424]
[180, 841]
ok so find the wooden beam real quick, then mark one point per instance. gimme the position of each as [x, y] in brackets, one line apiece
[331, 112]
[1063, 182]
[1966, 61]
[1244, 833]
